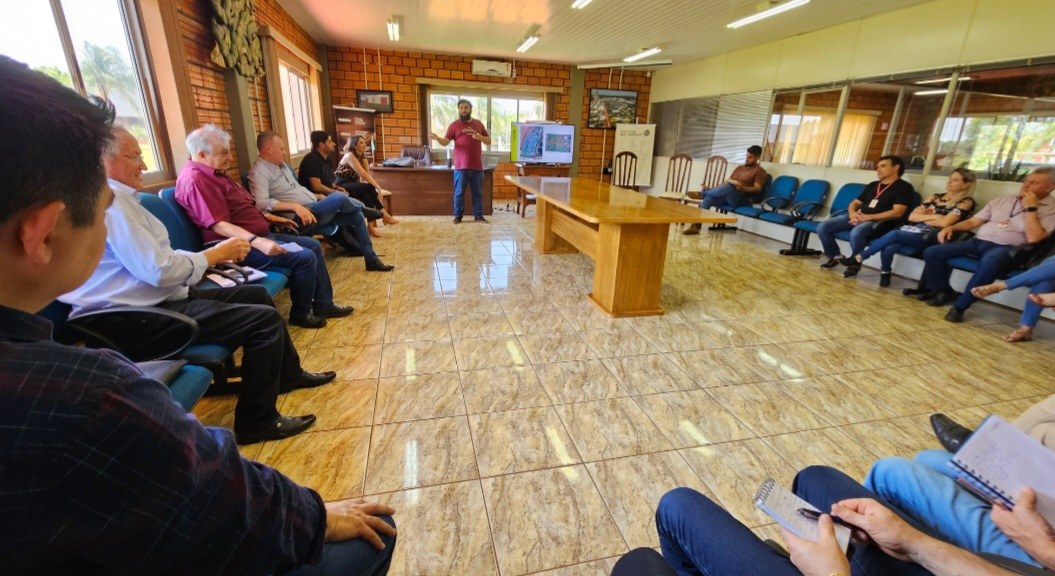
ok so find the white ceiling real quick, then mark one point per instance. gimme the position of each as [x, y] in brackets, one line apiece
[605, 31]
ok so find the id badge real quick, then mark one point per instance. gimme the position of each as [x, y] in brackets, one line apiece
[873, 203]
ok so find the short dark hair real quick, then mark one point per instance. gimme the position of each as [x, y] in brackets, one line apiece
[318, 137]
[896, 161]
[38, 116]
[755, 150]
[264, 137]
[464, 101]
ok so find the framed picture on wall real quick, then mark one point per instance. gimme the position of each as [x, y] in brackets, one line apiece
[611, 107]
[380, 100]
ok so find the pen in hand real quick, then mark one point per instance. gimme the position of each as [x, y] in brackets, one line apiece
[814, 514]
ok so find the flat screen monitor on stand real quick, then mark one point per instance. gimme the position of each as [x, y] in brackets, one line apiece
[542, 143]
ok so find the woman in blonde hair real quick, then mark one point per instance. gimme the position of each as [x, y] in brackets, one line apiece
[939, 211]
[353, 174]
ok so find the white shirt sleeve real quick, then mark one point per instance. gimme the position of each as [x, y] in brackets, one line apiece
[140, 243]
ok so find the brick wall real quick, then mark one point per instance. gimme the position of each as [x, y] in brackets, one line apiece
[596, 145]
[352, 69]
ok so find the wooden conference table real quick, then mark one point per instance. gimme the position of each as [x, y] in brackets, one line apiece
[623, 231]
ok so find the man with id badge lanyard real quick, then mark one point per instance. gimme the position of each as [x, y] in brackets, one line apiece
[1003, 224]
[885, 200]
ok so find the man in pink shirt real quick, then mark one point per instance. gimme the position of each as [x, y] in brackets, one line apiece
[469, 135]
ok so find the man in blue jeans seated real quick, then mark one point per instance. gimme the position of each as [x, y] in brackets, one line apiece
[1003, 224]
[744, 183]
[276, 189]
[883, 201]
[103, 472]
[910, 520]
[223, 209]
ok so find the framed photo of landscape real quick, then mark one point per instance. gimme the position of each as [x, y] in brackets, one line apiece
[611, 107]
[379, 100]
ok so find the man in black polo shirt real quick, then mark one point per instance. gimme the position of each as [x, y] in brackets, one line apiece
[315, 172]
[883, 201]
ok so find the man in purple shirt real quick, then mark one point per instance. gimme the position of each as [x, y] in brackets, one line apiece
[103, 472]
[224, 209]
[1003, 224]
[468, 134]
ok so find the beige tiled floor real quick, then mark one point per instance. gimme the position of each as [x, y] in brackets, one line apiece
[517, 429]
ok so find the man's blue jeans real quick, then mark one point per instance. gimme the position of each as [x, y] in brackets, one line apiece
[993, 260]
[699, 538]
[723, 194]
[475, 179]
[309, 286]
[859, 234]
[933, 501]
[888, 244]
[353, 558]
[345, 211]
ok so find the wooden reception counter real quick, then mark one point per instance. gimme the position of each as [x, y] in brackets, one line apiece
[427, 190]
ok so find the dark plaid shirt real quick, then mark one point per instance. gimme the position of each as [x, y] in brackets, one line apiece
[101, 472]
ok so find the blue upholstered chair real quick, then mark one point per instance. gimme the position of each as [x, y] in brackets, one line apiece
[779, 195]
[805, 227]
[808, 201]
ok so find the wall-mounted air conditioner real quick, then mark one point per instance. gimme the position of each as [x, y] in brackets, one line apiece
[492, 68]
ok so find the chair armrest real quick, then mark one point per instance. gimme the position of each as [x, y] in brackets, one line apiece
[838, 213]
[231, 271]
[805, 210]
[141, 333]
[775, 204]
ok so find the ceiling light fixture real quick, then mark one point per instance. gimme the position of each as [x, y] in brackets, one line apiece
[393, 28]
[528, 42]
[931, 92]
[940, 80]
[643, 54]
[767, 13]
[580, 4]
[638, 64]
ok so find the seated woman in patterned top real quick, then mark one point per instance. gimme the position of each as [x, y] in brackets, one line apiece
[353, 174]
[939, 211]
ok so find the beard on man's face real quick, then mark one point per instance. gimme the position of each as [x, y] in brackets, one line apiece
[466, 117]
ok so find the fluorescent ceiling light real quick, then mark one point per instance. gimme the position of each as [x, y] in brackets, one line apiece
[393, 28]
[767, 13]
[931, 92]
[580, 4]
[528, 42]
[946, 79]
[639, 64]
[643, 54]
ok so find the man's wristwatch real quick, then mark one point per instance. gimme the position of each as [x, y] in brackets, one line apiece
[1031, 209]
[251, 238]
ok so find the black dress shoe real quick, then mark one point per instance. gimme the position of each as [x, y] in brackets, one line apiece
[281, 427]
[852, 270]
[457, 219]
[307, 321]
[379, 266]
[832, 262]
[308, 380]
[334, 311]
[942, 298]
[884, 279]
[480, 219]
[849, 261]
[950, 434]
[954, 315]
[916, 292]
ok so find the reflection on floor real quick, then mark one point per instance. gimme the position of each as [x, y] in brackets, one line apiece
[517, 429]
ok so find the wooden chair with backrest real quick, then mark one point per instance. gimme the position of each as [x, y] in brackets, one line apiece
[679, 170]
[713, 175]
[624, 170]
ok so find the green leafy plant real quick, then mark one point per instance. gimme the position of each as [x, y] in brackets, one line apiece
[237, 44]
[1000, 171]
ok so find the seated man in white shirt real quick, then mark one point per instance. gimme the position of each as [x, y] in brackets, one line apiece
[275, 189]
[140, 268]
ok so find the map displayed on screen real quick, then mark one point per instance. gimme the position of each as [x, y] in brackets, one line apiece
[542, 143]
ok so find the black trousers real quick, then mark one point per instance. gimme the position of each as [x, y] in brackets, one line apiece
[245, 316]
[642, 562]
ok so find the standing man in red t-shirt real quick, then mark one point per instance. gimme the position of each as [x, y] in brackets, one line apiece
[469, 135]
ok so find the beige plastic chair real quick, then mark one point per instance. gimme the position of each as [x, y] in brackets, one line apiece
[624, 170]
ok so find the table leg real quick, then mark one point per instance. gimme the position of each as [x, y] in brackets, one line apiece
[628, 272]
[546, 241]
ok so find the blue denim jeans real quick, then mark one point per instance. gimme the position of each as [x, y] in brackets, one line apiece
[346, 212]
[1041, 280]
[699, 538]
[993, 260]
[859, 234]
[475, 180]
[309, 286]
[723, 194]
[353, 558]
[932, 500]
[888, 244]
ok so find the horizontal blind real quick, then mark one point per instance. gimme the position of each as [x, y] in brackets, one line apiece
[703, 127]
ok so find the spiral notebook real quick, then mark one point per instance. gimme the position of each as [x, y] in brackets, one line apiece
[782, 505]
[998, 460]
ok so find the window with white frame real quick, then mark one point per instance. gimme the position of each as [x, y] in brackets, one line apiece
[498, 110]
[94, 47]
[293, 91]
[298, 107]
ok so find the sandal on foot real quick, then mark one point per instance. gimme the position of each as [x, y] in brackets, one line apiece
[1020, 335]
[987, 290]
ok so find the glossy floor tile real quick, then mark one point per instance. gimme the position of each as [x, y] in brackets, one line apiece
[517, 429]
